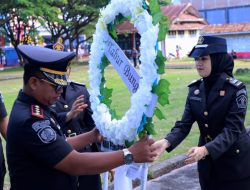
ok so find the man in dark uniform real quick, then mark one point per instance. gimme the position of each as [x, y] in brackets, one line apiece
[3, 128]
[72, 95]
[38, 154]
[218, 103]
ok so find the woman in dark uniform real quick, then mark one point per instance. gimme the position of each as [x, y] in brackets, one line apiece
[218, 103]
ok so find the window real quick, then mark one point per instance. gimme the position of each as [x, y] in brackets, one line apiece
[172, 33]
[180, 32]
[192, 32]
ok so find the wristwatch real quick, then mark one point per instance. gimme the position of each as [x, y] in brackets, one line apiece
[127, 156]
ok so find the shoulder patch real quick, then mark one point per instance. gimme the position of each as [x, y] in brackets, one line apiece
[241, 101]
[44, 131]
[235, 82]
[37, 111]
[77, 83]
[194, 82]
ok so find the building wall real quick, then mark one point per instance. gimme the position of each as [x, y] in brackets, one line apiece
[211, 4]
[238, 43]
[185, 42]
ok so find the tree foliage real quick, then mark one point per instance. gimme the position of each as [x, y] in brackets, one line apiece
[165, 2]
[18, 19]
[68, 19]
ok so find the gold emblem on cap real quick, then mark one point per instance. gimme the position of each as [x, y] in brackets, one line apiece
[60, 81]
[222, 93]
[200, 40]
[197, 91]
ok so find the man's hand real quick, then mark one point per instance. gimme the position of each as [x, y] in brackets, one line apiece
[97, 137]
[160, 146]
[142, 151]
[196, 153]
[77, 107]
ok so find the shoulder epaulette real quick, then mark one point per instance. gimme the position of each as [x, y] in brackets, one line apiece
[194, 82]
[37, 111]
[234, 82]
[77, 83]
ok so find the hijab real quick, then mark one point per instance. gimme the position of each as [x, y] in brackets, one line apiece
[220, 63]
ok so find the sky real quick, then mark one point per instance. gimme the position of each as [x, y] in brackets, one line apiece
[176, 1]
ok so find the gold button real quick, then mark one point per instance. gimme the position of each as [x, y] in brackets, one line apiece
[206, 125]
[69, 131]
[66, 106]
[237, 151]
[205, 113]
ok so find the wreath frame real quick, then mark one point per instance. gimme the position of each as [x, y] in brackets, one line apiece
[119, 131]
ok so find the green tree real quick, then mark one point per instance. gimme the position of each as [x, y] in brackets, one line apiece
[165, 2]
[76, 17]
[19, 20]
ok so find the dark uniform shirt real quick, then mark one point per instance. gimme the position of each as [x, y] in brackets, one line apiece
[81, 124]
[35, 144]
[220, 118]
[3, 114]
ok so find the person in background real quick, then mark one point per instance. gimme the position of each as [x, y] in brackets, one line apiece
[218, 103]
[38, 154]
[3, 128]
[73, 101]
[134, 56]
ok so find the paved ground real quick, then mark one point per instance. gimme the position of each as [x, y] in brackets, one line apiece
[184, 178]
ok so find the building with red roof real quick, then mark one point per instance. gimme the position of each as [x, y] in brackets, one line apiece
[185, 27]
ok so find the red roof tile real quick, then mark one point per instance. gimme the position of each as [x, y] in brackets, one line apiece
[173, 11]
[126, 27]
[227, 28]
[182, 17]
[187, 26]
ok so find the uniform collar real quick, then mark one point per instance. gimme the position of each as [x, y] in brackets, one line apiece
[30, 100]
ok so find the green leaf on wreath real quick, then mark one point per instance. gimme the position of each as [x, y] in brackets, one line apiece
[154, 7]
[142, 133]
[160, 62]
[107, 102]
[113, 114]
[157, 17]
[128, 144]
[161, 87]
[104, 63]
[163, 99]
[159, 114]
[163, 28]
[150, 128]
[112, 30]
[107, 92]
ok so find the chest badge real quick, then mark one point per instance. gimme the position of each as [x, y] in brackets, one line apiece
[196, 92]
[66, 106]
[222, 93]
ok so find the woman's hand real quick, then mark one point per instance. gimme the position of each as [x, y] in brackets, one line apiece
[196, 153]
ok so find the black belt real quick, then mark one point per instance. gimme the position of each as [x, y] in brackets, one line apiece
[109, 146]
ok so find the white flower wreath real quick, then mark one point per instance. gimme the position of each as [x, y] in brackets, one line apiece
[118, 131]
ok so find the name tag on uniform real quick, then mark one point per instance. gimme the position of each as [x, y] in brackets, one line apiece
[195, 98]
